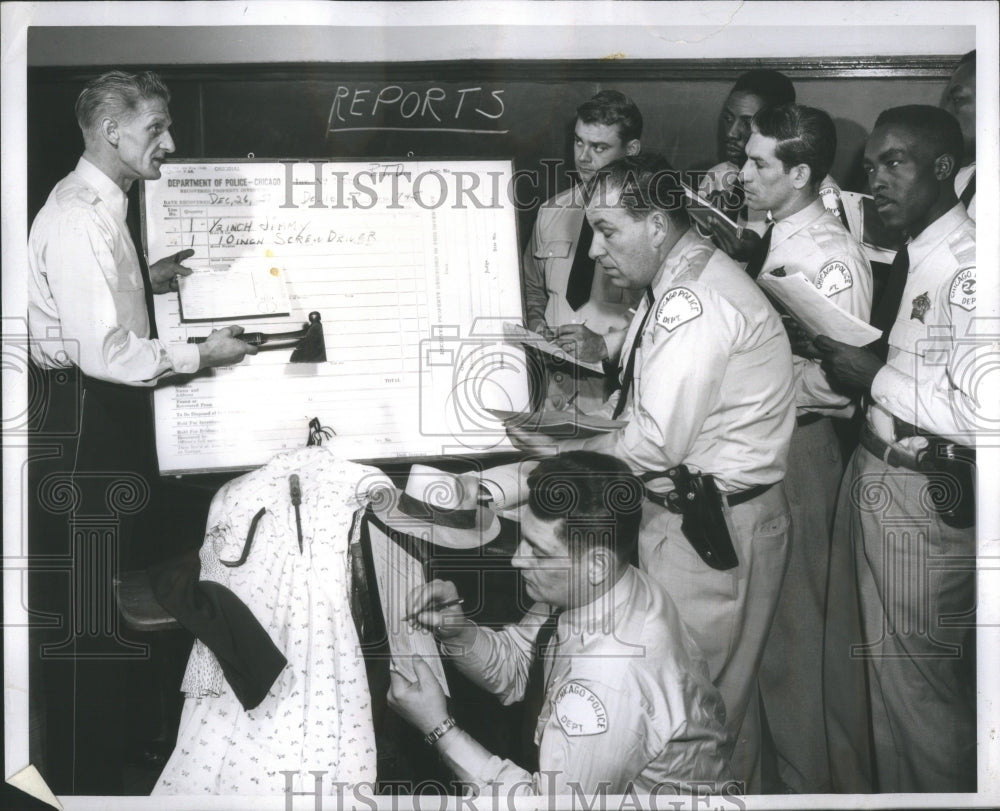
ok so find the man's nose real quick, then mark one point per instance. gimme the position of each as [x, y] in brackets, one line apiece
[596, 246]
[735, 131]
[167, 142]
[876, 181]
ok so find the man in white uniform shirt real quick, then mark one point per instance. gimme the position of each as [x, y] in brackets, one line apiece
[790, 150]
[907, 502]
[960, 101]
[566, 297]
[626, 701]
[706, 382]
[88, 324]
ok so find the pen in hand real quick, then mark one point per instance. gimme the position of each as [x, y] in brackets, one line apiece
[446, 604]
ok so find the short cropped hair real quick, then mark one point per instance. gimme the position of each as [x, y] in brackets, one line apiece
[646, 182]
[611, 108]
[967, 59]
[116, 94]
[804, 135]
[936, 128]
[595, 497]
[772, 87]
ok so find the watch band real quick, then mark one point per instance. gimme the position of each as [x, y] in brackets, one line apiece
[438, 732]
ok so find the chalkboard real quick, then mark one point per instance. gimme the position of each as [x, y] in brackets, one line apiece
[517, 110]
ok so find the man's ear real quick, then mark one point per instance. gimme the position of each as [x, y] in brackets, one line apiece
[109, 129]
[632, 147]
[944, 166]
[600, 565]
[801, 175]
[659, 226]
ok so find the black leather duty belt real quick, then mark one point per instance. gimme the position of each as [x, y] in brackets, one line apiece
[732, 499]
[808, 418]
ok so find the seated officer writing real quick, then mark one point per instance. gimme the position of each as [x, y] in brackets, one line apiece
[627, 702]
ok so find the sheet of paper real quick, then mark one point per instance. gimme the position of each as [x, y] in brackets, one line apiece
[517, 333]
[397, 574]
[559, 423]
[708, 216]
[242, 290]
[816, 313]
[412, 292]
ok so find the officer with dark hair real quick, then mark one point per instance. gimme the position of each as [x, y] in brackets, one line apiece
[960, 100]
[625, 701]
[706, 390]
[908, 497]
[754, 91]
[790, 150]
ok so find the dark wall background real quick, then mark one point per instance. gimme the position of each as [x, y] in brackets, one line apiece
[451, 109]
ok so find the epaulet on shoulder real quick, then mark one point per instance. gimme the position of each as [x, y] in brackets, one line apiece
[75, 194]
[962, 244]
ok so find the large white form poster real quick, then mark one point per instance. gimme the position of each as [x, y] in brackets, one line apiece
[413, 268]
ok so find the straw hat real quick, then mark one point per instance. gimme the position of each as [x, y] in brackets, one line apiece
[439, 507]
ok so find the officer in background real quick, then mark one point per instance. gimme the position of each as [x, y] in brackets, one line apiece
[790, 150]
[626, 702]
[754, 91]
[960, 100]
[707, 383]
[566, 298]
[907, 501]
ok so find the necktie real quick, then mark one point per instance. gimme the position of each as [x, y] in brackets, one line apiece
[630, 366]
[887, 307]
[756, 263]
[534, 693]
[132, 222]
[581, 275]
[969, 191]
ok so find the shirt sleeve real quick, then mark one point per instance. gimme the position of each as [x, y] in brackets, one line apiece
[666, 418]
[499, 661]
[813, 389]
[81, 270]
[595, 738]
[942, 403]
[536, 296]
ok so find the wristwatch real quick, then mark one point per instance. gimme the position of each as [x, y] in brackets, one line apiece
[437, 733]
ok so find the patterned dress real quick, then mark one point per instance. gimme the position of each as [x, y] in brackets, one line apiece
[317, 715]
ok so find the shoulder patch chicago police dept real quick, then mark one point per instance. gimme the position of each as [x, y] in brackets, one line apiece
[963, 289]
[677, 307]
[834, 277]
[579, 711]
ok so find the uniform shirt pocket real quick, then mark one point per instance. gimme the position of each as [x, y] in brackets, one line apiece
[554, 249]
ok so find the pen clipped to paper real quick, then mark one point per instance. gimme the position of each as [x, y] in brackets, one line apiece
[446, 604]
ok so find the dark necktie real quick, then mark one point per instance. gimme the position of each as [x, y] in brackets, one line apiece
[581, 275]
[886, 309]
[132, 221]
[969, 191]
[630, 366]
[756, 263]
[534, 692]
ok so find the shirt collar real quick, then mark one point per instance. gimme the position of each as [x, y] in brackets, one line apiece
[589, 619]
[935, 233]
[108, 191]
[794, 223]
